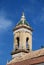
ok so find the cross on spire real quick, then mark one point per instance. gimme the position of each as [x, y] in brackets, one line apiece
[23, 18]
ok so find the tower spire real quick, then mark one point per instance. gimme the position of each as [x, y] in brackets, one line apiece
[23, 18]
[23, 15]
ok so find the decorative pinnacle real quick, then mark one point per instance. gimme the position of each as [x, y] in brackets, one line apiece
[23, 15]
[23, 18]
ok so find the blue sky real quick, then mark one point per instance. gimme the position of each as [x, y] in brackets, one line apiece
[10, 14]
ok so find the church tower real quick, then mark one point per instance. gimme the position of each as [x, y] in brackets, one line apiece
[22, 53]
[22, 37]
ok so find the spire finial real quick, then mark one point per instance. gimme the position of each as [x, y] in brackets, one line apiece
[23, 18]
[23, 14]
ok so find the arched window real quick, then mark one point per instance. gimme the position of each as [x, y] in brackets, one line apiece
[27, 42]
[18, 41]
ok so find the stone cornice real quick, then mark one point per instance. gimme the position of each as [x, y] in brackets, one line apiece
[23, 26]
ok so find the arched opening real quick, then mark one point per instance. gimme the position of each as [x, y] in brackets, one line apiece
[27, 46]
[17, 41]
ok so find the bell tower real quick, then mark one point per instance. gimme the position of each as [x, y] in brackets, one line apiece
[22, 53]
[22, 37]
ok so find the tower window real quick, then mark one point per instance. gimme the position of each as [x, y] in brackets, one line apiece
[18, 41]
[27, 42]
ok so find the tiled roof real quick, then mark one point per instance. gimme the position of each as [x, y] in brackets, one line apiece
[31, 55]
[34, 61]
[21, 22]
